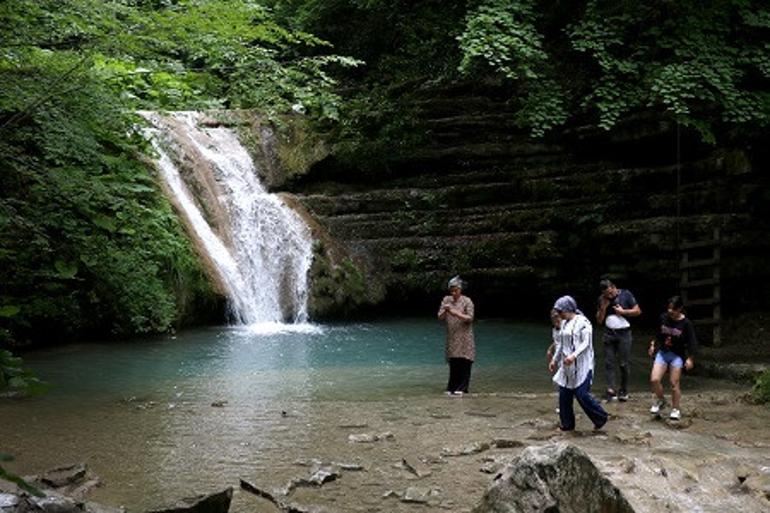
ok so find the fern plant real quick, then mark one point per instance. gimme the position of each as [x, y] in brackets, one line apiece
[15, 379]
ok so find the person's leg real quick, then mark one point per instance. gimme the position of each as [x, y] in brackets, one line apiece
[656, 376]
[566, 413]
[453, 375]
[464, 378]
[589, 403]
[676, 392]
[610, 356]
[624, 353]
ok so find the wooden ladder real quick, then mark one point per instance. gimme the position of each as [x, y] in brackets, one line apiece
[700, 283]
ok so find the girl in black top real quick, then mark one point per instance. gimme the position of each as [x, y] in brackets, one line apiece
[674, 347]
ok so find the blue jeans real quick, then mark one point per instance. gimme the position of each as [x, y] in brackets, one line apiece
[586, 401]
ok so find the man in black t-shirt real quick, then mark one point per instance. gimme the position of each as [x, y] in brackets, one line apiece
[615, 306]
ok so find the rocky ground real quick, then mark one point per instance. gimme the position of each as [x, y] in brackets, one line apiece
[442, 454]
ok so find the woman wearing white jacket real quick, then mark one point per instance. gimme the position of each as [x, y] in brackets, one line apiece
[574, 358]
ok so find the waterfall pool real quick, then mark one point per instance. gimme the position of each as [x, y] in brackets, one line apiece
[168, 417]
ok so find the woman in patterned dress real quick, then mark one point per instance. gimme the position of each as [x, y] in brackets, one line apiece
[460, 352]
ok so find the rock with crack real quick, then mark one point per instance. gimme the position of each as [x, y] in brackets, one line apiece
[323, 475]
[320, 475]
[504, 443]
[474, 448]
[557, 477]
[633, 438]
[759, 484]
[280, 504]
[415, 466]
[419, 494]
[218, 502]
[367, 438]
[60, 477]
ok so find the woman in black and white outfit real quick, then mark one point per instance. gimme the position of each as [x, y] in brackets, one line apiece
[575, 351]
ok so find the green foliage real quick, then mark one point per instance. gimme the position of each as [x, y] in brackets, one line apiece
[761, 390]
[181, 54]
[702, 64]
[89, 245]
[15, 379]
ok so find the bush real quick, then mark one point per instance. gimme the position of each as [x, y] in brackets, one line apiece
[761, 390]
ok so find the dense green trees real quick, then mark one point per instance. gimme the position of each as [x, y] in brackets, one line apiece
[88, 245]
[704, 64]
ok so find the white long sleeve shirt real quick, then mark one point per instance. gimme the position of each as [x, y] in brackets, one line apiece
[574, 338]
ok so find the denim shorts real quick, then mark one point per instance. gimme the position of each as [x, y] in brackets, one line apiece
[665, 357]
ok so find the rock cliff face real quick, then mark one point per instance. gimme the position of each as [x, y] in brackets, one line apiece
[524, 221]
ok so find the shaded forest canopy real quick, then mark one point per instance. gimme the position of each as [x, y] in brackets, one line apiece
[88, 244]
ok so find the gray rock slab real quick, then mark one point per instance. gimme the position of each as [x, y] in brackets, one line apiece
[416, 467]
[417, 494]
[64, 476]
[557, 477]
[8, 500]
[54, 503]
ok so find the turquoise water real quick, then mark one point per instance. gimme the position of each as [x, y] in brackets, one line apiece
[359, 361]
[350, 361]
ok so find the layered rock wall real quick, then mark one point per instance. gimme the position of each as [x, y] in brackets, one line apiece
[524, 221]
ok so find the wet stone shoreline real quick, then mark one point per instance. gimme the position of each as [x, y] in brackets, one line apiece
[443, 454]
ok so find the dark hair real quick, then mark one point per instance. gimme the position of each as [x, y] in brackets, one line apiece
[675, 302]
[605, 284]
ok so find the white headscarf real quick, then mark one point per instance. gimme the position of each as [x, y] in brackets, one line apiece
[455, 282]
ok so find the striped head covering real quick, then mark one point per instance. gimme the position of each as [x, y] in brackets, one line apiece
[455, 282]
[567, 304]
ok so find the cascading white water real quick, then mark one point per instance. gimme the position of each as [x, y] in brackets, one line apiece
[266, 263]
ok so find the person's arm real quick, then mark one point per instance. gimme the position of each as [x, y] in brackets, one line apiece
[692, 346]
[601, 312]
[443, 309]
[633, 311]
[549, 351]
[556, 356]
[467, 314]
[651, 350]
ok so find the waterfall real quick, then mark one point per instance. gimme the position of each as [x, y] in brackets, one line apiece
[263, 250]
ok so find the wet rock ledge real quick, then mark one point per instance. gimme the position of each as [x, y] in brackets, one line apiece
[64, 490]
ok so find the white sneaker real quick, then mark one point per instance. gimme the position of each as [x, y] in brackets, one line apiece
[675, 414]
[657, 405]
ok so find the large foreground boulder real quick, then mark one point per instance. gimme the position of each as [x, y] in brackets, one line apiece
[553, 479]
